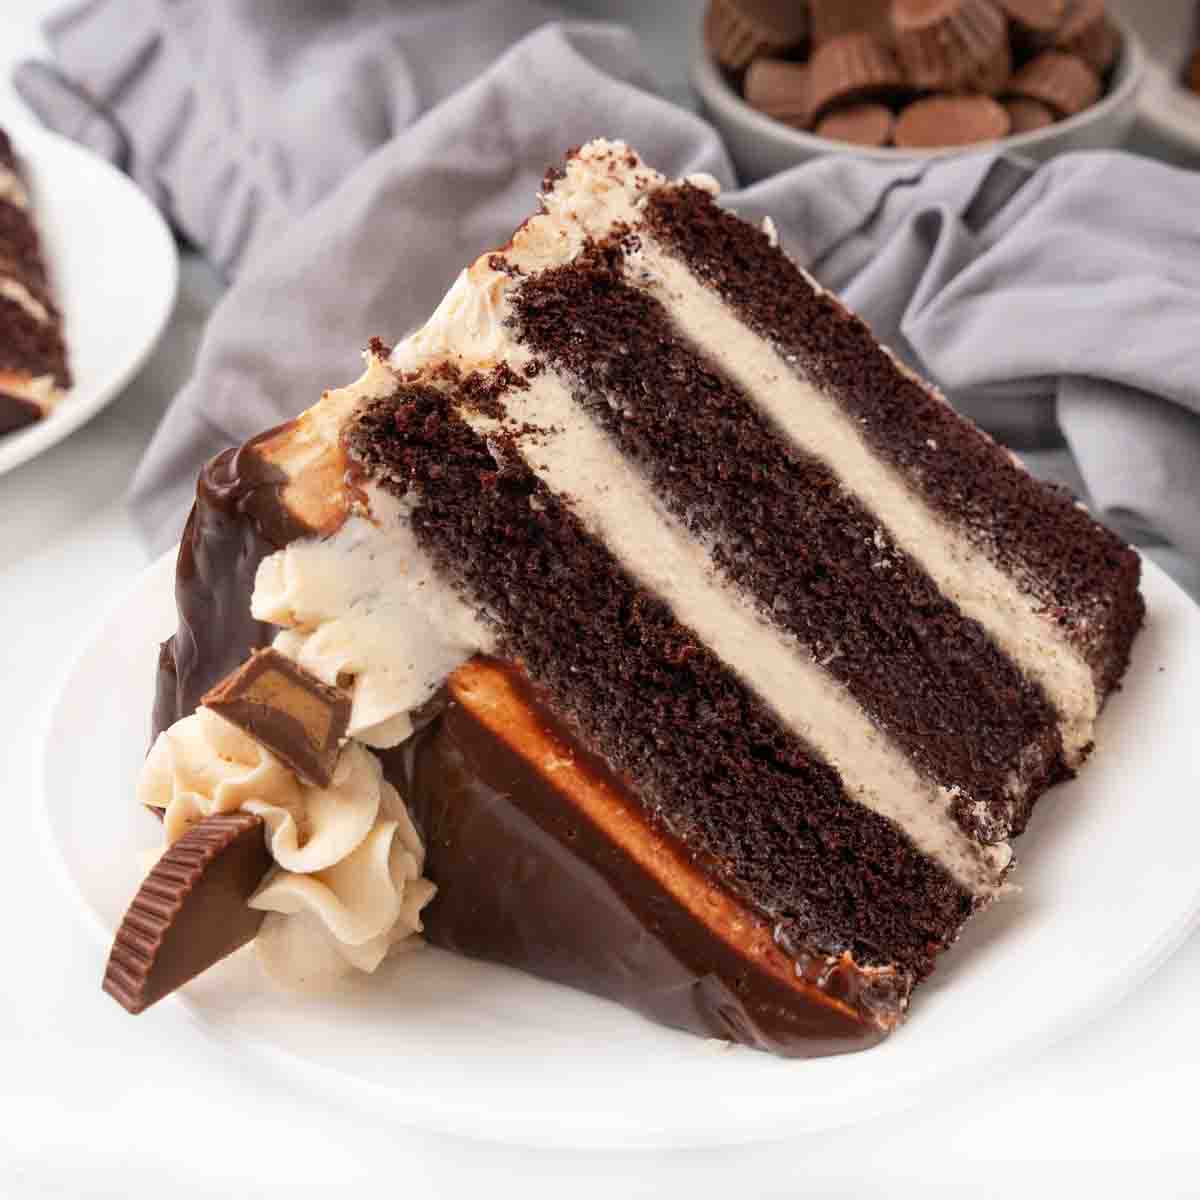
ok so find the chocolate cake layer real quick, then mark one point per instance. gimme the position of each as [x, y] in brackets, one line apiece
[785, 531]
[27, 273]
[1081, 575]
[19, 243]
[31, 342]
[709, 762]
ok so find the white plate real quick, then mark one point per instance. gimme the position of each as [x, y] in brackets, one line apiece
[1111, 885]
[113, 270]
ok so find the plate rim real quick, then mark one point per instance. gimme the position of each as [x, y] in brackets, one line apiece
[406, 1109]
[73, 412]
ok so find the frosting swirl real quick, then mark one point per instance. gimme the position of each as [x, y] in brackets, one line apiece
[339, 601]
[346, 886]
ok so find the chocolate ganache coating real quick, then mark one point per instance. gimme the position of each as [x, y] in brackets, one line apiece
[526, 879]
[238, 519]
[16, 413]
[522, 878]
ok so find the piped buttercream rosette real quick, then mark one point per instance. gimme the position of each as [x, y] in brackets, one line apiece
[346, 885]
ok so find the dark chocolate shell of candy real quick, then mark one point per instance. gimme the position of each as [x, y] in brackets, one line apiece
[940, 121]
[780, 90]
[1037, 18]
[1088, 33]
[952, 45]
[1062, 82]
[739, 31]
[296, 716]
[859, 124]
[1028, 115]
[850, 69]
[832, 18]
[191, 911]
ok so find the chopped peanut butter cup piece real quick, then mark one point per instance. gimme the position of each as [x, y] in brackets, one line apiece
[296, 716]
[942, 121]
[191, 911]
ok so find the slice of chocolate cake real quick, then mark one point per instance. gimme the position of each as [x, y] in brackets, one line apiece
[717, 660]
[33, 356]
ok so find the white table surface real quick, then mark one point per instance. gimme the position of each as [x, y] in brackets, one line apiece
[93, 1103]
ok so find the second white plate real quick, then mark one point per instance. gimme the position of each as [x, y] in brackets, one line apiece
[113, 269]
[1110, 886]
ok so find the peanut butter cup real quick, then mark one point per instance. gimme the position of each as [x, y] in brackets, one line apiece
[832, 18]
[991, 76]
[738, 31]
[1039, 19]
[952, 45]
[1061, 81]
[939, 121]
[1027, 115]
[851, 68]
[859, 124]
[1088, 33]
[781, 90]
[191, 912]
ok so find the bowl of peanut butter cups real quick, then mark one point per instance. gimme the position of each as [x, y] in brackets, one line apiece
[787, 80]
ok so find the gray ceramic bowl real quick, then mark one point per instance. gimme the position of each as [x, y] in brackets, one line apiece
[761, 146]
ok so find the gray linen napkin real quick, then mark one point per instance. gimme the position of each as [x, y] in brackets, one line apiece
[236, 115]
[1056, 306]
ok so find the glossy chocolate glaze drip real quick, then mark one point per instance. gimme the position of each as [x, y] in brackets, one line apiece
[523, 879]
[237, 521]
[527, 880]
[16, 413]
